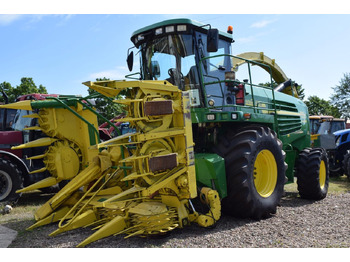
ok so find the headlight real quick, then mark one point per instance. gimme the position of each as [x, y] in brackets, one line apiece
[337, 140]
[169, 29]
[211, 117]
[159, 31]
[234, 116]
[181, 28]
[211, 102]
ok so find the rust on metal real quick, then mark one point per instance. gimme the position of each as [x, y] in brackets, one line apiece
[156, 108]
[163, 162]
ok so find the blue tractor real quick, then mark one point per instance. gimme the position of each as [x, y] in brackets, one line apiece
[340, 157]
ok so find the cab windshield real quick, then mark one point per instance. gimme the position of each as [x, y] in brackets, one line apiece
[169, 58]
[20, 121]
[181, 58]
[331, 127]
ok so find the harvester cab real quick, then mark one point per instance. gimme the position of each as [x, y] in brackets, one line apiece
[188, 54]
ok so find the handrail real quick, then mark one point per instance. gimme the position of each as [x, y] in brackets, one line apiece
[249, 62]
[129, 76]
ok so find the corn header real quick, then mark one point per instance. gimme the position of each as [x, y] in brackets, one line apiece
[140, 183]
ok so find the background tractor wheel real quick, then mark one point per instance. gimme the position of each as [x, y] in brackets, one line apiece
[255, 172]
[335, 170]
[11, 179]
[312, 171]
[346, 165]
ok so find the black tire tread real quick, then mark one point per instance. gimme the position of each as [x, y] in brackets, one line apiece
[346, 165]
[17, 179]
[239, 151]
[307, 172]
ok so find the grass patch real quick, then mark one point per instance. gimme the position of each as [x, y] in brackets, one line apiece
[337, 185]
[22, 216]
[25, 208]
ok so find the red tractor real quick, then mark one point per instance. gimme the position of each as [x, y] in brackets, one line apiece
[14, 165]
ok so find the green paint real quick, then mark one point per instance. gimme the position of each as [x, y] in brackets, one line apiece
[210, 172]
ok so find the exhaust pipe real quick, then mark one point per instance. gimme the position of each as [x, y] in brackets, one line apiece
[283, 85]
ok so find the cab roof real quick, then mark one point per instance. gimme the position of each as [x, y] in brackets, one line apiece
[341, 132]
[179, 21]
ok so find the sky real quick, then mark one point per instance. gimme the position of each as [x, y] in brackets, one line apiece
[61, 48]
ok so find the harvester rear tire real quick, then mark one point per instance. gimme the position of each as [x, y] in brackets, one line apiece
[11, 179]
[312, 171]
[255, 172]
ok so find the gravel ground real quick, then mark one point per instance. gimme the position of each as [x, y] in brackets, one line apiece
[298, 223]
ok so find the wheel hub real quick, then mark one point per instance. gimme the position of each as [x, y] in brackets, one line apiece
[322, 174]
[265, 173]
[5, 185]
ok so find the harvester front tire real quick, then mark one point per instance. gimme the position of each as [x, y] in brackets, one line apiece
[255, 172]
[11, 179]
[312, 169]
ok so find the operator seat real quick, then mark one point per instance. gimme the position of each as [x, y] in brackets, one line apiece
[192, 78]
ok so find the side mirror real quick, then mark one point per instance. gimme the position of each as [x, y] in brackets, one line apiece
[130, 60]
[213, 40]
[155, 69]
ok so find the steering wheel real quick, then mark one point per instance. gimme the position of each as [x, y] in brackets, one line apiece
[176, 77]
[172, 72]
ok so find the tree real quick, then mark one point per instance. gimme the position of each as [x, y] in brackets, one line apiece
[27, 86]
[300, 91]
[104, 106]
[319, 106]
[8, 89]
[341, 96]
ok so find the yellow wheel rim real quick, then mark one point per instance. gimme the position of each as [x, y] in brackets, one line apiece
[322, 174]
[265, 173]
